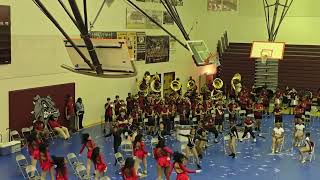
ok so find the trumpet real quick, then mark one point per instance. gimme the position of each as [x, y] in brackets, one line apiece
[175, 85]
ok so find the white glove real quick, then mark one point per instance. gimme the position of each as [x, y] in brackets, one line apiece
[198, 171]
[79, 155]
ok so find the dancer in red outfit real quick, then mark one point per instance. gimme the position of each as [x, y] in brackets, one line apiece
[33, 148]
[128, 172]
[180, 168]
[99, 164]
[60, 167]
[162, 154]
[90, 145]
[45, 162]
[140, 153]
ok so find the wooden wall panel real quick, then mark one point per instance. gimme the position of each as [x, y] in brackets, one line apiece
[299, 69]
[21, 103]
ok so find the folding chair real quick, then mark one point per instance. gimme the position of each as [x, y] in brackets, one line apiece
[307, 118]
[15, 136]
[126, 145]
[154, 142]
[25, 132]
[312, 155]
[81, 173]
[32, 173]
[226, 139]
[22, 163]
[73, 161]
[119, 161]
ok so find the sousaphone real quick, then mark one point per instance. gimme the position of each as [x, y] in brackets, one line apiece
[175, 85]
[155, 84]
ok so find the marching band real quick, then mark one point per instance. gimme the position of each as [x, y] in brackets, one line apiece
[209, 111]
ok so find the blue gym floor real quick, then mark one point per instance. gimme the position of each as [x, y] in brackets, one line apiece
[254, 160]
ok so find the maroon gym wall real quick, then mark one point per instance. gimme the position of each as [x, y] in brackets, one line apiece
[21, 103]
[299, 69]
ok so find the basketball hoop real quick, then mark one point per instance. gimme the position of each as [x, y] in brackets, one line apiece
[264, 59]
[265, 54]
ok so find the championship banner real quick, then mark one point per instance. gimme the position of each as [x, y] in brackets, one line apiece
[5, 35]
[223, 5]
[157, 49]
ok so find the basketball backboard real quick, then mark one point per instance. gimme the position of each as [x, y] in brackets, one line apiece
[113, 55]
[201, 54]
[267, 50]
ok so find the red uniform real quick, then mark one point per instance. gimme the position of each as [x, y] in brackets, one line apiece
[129, 174]
[298, 111]
[232, 107]
[70, 108]
[121, 119]
[100, 164]
[258, 114]
[34, 150]
[139, 151]
[45, 162]
[62, 176]
[248, 122]
[108, 111]
[162, 155]
[90, 146]
[39, 126]
[185, 171]
[53, 124]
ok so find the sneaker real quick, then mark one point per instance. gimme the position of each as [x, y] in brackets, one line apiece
[254, 140]
[216, 141]
[241, 140]
[273, 152]
[303, 161]
[277, 151]
[198, 166]
[233, 155]
[145, 172]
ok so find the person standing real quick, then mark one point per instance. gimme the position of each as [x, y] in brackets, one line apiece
[80, 111]
[70, 113]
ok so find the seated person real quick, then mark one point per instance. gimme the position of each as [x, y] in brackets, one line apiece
[61, 130]
[298, 133]
[277, 137]
[307, 148]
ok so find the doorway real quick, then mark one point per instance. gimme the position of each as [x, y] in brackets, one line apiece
[167, 78]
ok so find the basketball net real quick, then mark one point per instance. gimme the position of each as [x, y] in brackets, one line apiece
[264, 59]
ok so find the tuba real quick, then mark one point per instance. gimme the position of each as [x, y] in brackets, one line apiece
[176, 85]
[191, 85]
[236, 83]
[143, 87]
[155, 84]
[217, 83]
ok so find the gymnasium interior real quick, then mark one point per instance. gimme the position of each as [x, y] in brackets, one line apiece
[218, 63]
